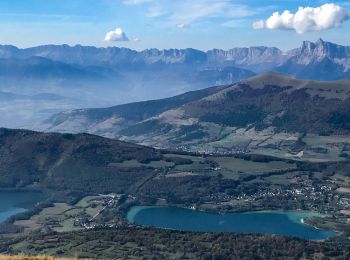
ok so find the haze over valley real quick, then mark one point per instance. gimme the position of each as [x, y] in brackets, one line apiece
[40, 81]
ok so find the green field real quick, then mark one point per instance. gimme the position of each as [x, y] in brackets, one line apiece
[232, 167]
[61, 216]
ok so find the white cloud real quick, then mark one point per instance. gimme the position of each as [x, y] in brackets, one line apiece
[258, 25]
[118, 35]
[306, 19]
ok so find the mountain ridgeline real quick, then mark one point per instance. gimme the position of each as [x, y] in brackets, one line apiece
[323, 55]
[268, 101]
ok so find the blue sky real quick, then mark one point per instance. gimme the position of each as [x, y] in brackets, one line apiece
[202, 24]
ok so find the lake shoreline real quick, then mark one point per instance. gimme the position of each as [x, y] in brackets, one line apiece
[16, 202]
[294, 219]
[200, 208]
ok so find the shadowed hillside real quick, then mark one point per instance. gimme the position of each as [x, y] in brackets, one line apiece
[70, 162]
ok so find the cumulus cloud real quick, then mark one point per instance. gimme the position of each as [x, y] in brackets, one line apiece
[118, 35]
[306, 19]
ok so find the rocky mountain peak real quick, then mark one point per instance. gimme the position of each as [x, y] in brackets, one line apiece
[320, 42]
[321, 49]
[307, 46]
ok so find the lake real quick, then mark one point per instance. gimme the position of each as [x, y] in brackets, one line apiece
[12, 203]
[287, 223]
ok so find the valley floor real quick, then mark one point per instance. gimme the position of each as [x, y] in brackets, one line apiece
[84, 212]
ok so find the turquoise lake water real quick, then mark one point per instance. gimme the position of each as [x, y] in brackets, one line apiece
[287, 223]
[12, 203]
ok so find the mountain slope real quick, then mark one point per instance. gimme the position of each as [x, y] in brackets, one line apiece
[270, 99]
[70, 162]
[66, 166]
[277, 101]
[115, 118]
[259, 112]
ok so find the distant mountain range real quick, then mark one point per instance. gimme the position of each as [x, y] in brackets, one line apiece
[101, 77]
[321, 54]
[267, 108]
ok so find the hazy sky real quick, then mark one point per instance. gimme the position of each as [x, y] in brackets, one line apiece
[202, 24]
